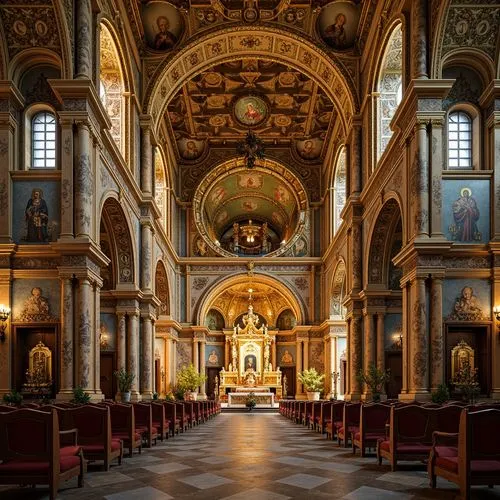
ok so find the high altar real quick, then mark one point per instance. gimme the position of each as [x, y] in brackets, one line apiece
[250, 369]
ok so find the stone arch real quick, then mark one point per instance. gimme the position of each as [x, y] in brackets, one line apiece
[381, 241]
[265, 42]
[338, 290]
[162, 289]
[29, 58]
[205, 303]
[121, 247]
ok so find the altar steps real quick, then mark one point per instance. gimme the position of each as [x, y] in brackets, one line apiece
[242, 409]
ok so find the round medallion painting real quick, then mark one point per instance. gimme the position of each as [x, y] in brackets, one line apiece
[250, 110]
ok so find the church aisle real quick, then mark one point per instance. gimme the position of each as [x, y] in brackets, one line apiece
[249, 456]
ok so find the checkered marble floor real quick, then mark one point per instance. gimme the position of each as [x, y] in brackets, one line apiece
[247, 456]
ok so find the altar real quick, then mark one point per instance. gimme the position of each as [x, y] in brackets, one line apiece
[250, 369]
[240, 398]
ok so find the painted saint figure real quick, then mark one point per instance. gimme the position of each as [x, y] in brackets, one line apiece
[213, 359]
[252, 114]
[466, 215]
[335, 33]
[164, 39]
[37, 217]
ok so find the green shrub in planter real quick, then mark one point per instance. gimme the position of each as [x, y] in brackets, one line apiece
[80, 396]
[13, 398]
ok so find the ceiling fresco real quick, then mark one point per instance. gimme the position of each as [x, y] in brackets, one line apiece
[282, 106]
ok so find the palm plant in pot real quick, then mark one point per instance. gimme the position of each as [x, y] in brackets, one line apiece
[188, 379]
[125, 380]
[375, 380]
[312, 382]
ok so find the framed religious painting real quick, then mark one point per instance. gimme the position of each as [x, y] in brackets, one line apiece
[250, 110]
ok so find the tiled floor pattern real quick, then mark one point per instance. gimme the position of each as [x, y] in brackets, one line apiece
[250, 457]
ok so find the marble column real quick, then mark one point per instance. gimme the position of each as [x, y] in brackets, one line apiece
[305, 355]
[299, 389]
[419, 340]
[421, 181]
[67, 346]
[436, 170]
[146, 163]
[121, 342]
[174, 360]
[83, 183]
[355, 343]
[380, 342]
[84, 39]
[66, 121]
[133, 352]
[355, 157]
[202, 367]
[196, 355]
[227, 352]
[370, 352]
[146, 257]
[147, 358]
[85, 377]
[436, 330]
[419, 39]
[357, 252]
[97, 343]
[333, 365]
[405, 347]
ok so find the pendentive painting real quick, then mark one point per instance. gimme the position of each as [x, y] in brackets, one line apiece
[163, 25]
[250, 110]
[338, 24]
[35, 216]
[466, 210]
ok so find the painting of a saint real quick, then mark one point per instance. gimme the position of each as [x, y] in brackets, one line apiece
[37, 217]
[213, 359]
[309, 149]
[218, 194]
[190, 150]
[249, 205]
[36, 307]
[250, 363]
[338, 24]
[250, 181]
[162, 25]
[250, 110]
[286, 358]
[466, 215]
[281, 194]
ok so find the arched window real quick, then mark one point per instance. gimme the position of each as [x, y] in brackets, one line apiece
[459, 140]
[112, 85]
[390, 87]
[43, 140]
[339, 190]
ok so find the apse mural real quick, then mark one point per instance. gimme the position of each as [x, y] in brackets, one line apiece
[286, 320]
[163, 25]
[338, 23]
[466, 300]
[214, 320]
[466, 210]
[36, 212]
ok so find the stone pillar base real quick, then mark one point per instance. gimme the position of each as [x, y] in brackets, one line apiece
[97, 396]
[135, 396]
[147, 396]
[352, 397]
[300, 396]
[415, 396]
[64, 395]
[495, 394]
[368, 397]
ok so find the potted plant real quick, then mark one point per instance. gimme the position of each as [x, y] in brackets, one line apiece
[13, 398]
[188, 379]
[125, 381]
[250, 401]
[312, 382]
[374, 379]
[80, 396]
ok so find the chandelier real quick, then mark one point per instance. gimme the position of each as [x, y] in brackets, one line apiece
[252, 148]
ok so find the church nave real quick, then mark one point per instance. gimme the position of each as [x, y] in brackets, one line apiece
[247, 456]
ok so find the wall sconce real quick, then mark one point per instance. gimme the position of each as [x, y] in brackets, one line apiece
[496, 312]
[4, 315]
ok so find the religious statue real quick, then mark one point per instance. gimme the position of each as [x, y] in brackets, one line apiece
[285, 386]
[266, 356]
[467, 306]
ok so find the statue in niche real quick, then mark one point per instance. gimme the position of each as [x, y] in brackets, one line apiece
[462, 358]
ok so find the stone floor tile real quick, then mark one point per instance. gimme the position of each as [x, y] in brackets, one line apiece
[146, 493]
[167, 468]
[205, 481]
[306, 481]
[256, 493]
[96, 479]
[369, 493]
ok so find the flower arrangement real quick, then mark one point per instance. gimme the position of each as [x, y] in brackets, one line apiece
[250, 401]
